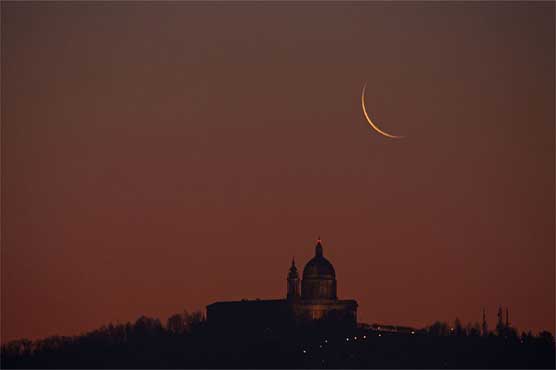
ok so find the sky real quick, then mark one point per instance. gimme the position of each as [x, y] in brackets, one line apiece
[161, 157]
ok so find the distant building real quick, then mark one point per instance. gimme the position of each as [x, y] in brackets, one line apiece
[317, 299]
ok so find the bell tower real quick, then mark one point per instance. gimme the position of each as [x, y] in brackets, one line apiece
[293, 283]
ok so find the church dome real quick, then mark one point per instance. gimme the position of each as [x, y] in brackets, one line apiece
[319, 267]
[319, 278]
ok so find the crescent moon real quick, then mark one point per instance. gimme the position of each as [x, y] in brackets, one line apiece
[375, 127]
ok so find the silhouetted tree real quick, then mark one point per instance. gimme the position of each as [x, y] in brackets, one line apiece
[500, 326]
[527, 337]
[20, 347]
[458, 329]
[194, 321]
[546, 337]
[177, 323]
[147, 326]
[511, 333]
[439, 329]
[475, 330]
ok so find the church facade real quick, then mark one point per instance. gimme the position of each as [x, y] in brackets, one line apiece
[314, 297]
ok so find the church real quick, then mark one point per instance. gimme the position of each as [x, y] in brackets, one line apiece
[312, 298]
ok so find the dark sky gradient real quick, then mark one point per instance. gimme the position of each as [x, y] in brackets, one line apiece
[157, 157]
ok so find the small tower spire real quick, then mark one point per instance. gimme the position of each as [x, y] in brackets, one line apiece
[507, 317]
[318, 248]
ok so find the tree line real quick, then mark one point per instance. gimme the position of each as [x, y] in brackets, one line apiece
[187, 340]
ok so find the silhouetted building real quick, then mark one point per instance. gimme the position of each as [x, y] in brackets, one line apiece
[316, 300]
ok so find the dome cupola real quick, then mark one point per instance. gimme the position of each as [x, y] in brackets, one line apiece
[319, 267]
[319, 277]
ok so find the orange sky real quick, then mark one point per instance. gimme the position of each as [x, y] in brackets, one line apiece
[161, 157]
